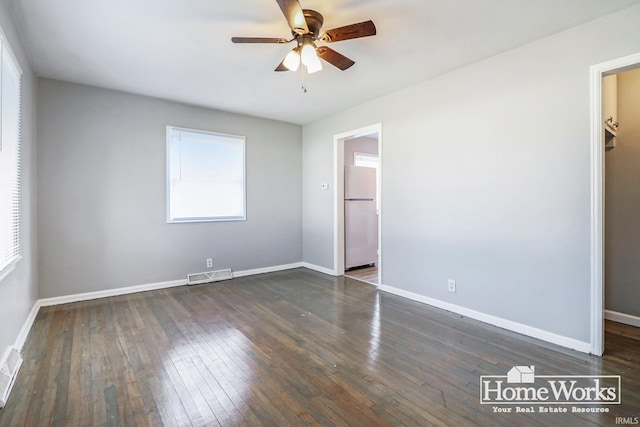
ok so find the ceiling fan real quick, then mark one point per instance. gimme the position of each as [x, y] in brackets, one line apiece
[305, 27]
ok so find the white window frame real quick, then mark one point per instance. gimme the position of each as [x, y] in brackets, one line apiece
[240, 140]
[10, 249]
[364, 156]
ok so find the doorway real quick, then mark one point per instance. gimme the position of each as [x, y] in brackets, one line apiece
[348, 151]
[600, 141]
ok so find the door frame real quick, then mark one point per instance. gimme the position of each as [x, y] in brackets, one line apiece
[597, 72]
[338, 195]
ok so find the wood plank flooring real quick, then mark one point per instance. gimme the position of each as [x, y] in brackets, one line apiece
[288, 348]
[366, 274]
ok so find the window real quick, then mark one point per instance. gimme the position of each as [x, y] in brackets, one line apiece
[10, 76]
[366, 160]
[205, 176]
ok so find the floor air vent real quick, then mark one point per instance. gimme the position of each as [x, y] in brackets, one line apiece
[9, 366]
[209, 276]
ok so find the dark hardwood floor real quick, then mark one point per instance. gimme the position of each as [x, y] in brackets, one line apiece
[366, 274]
[289, 348]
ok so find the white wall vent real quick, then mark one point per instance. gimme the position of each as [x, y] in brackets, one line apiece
[9, 367]
[209, 276]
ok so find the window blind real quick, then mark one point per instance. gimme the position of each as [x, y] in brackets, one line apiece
[205, 176]
[10, 113]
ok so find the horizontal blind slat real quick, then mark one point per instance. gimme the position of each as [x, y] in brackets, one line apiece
[10, 135]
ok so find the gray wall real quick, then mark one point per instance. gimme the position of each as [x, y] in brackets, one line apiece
[101, 192]
[622, 251]
[485, 179]
[19, 290]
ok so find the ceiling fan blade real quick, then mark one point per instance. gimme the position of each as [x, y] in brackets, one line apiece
[294, 15]
[258, 40]
[281, 67]
[353, 31]
[334, 58]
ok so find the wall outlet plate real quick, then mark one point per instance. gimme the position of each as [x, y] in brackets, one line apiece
[451, 285]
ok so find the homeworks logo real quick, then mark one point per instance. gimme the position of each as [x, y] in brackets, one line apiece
[522, 386]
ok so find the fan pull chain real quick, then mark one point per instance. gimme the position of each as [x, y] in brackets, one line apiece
[304, 87]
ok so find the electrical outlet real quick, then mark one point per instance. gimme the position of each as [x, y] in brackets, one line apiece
[209, 262]
[452, 285]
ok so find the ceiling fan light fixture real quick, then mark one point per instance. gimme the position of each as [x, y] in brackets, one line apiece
[306, 25]
[292, 60]
[308, 54]
[310, 58]
[314, 66]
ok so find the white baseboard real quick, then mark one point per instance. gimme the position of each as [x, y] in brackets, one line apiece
[26, 327]
[530, 331]
[86, 296]
[267, 269]
[319, 269]
[45, 302]
[627, 319]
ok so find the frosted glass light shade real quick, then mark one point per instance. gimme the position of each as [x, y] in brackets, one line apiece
[292, 60]
[308, 54]
[310, 58]
[314, 66]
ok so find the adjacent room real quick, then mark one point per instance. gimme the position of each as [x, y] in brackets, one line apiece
[295, 212]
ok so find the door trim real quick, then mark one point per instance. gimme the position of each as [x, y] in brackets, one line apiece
[338, 195]
[597, 194]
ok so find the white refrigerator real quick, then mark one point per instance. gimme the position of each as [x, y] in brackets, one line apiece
[360, 216]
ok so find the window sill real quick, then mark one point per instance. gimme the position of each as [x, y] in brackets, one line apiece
[6, 270]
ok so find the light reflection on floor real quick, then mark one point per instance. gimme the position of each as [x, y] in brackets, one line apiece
[214, 364]
[374, 339]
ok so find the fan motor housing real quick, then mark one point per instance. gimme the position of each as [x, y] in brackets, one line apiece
[314, 21]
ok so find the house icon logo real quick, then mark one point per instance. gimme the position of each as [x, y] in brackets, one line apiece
[521, 375]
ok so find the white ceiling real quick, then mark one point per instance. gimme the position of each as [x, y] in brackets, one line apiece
[181, 49]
